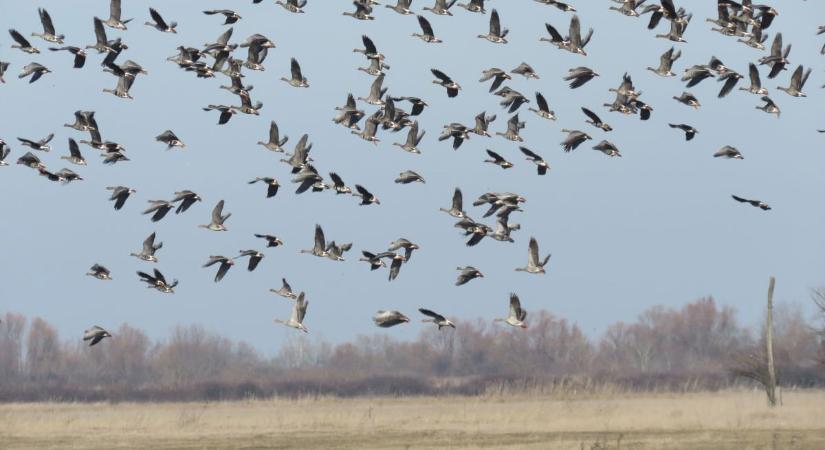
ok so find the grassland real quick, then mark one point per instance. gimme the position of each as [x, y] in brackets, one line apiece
[727, 420]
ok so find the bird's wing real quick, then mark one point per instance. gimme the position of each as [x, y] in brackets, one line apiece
[458, 200]
[529, 153]
[369, 45]
[533, 252]
[542, 102]
[319, 238]
[157, 18]
[434, 315]
[296, 69]
[217, 212]
[425, 26]
[591, 115]
[149, 244]
[441, 75]
[46, 20]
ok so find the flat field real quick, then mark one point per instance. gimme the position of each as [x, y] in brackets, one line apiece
[723, 420]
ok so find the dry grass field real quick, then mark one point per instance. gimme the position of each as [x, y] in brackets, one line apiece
[726, 420]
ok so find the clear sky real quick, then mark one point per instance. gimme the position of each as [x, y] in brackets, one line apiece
[657, 226]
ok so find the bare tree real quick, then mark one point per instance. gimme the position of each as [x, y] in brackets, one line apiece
[43, 356]
[11, 347]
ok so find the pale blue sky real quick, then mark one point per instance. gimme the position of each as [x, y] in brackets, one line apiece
[657, 226]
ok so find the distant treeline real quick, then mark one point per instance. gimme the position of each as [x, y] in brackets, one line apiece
[695, 347]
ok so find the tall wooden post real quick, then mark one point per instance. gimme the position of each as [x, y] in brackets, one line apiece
[771, 386]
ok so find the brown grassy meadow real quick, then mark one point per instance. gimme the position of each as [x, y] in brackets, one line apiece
[724, 420]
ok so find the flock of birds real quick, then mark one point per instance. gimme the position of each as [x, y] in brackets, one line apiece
[745, 21]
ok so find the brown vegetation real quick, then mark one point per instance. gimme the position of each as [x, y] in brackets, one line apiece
[665, 349]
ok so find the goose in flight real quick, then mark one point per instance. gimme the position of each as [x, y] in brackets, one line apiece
[158, 209]
[376, 92]
[320, 244]
[406, 244]
[31, 161]
[560, 5]
[36, 70]
[272, 185]
[95, 335]
[578, 76]
[729, 153]
[255, 258]
[271, 241]
[448, 83]
[339, 185]
[798, 80]
[218, 218]
[402, 7]
[387, 319]
[285, 290]
[225, 265]
[441, 7]
[114, 20]
[395, 265]
[534, 265]
[756, 83]
[119, 195]
[171, 140]
[690, 132]
[476, 6]
[755, 203]
[413, 139]
[186, 198]
[293, 6]
[496, 35]
[466, 274]
[158, 282]
[363, 10]
[427, 34]
[435, 318]
[457, 208]
[514, 125]
[516, 315]
[374, 259]
[22, 43]
[482, 124]
[160, 24]
[542, 166]
[297, 79]
[525, 70]
[367, 198]
[79, 55]
[409, 176]
[497, 75]
[498, 160]
[299, 311]
[230, 16]
[666, 63]
[48, 33]
[99, 272]
[594, 120]
[42, 144]
[770, 107]
[4, 66]
[543, 110]
[608, 148]
[688, 99]
[149, 249]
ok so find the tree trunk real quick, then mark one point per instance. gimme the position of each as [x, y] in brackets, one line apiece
[770, 388]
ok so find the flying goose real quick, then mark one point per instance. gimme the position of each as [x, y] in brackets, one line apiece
[160, 24]
[526, 71]
[231, 16]
[756, 83]
[516, 314]
[441, 7]
[560, 5]
[387, 319]
[413, 138]
[114, 19]
[48, 33]
[158, 282]
[778, 58]
[149, 249]
[271, 241]
[272, 185]
[299, 311]
[395, 265]
[34, 69]
[376, 92]
[534, 265]
[31, 161]
[79, 55]
[476, 6]
[444, 80]
[755, 203]
[226, 264]
[218, 218]
[102, 44]
[608, 148]
[81, 121]
[497, 75]
[255, 258]
[186, 198]
[731, 78]
[628, 7]
[594, 120]
[374, 259]
[99, 272]
[369, 50]
[124, 84]
[457, 208]
[119, 195]
[690, 132]
[348, 115]
[95, 335]
[666, 63]
[409, 176]
[319, 249]
[297, 79]
[496, 35]
[435, 318]
[158, 209]
[770, 107]
[513, 128]
[402, 7]
[285, 290]
[4, 66]
[543, 110]
[482, 123]
[406, 244]
[729, 153]
[418, 104]
[42, 144]
[467, 274]
[114, 157]
[363, 10]
[542, 166]
[498, 160]
[578, 76]
[688, 99]
[370, 128]
[336, 252]
[427, 34]
[293, 6]
[367, 198]
[22, 43]
[169, 138]
[798, 81]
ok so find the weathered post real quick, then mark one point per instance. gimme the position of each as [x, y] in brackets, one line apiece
[770, 388]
